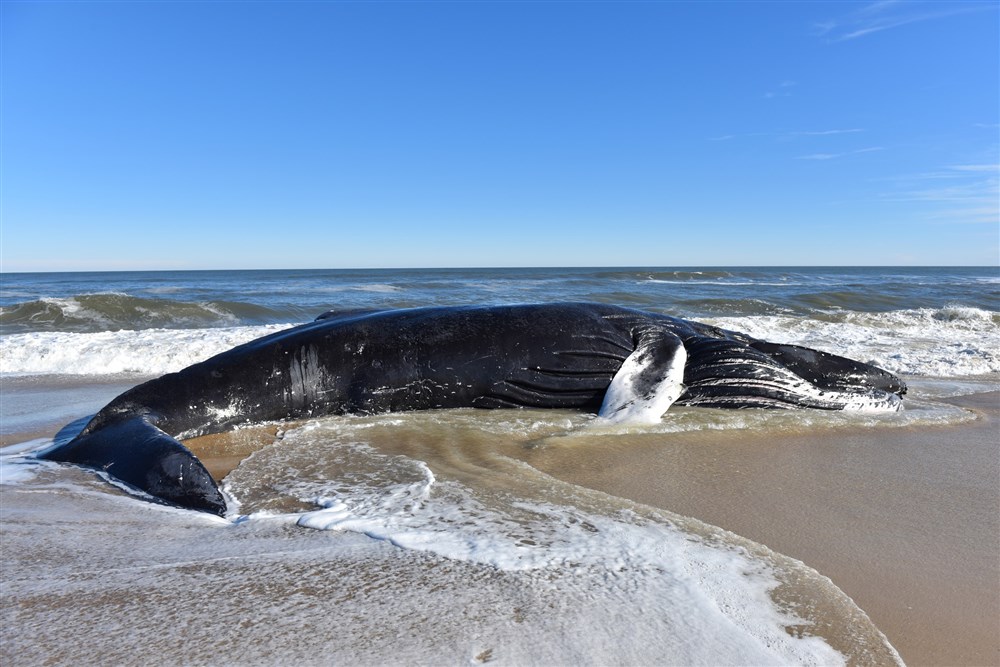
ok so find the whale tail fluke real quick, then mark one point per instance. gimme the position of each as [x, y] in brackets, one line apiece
[136, 452]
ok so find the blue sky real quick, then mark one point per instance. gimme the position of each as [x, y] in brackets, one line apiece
[189, 135]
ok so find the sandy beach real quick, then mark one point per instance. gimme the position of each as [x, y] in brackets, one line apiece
[903, 520]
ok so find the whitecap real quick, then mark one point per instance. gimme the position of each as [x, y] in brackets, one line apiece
[951, 341]
[381, 288]
[144, 352]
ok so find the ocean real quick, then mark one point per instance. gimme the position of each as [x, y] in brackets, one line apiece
[446, 536]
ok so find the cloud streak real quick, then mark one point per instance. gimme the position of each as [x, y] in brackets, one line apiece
[824, 133]
[788, 136]
[890, 14]
[834, 156]
[960, 194]
[784, 90]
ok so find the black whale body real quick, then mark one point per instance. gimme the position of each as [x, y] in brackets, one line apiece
[625, 364]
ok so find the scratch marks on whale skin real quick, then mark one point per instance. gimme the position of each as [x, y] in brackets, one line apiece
[413, 388]
[307, 378]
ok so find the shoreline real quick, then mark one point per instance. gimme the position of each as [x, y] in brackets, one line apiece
[897, 519]
[38, 406]
[900, 522]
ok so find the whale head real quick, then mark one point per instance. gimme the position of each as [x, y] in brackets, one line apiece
[142, 456]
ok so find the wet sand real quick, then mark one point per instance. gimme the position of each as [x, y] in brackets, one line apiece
[905, 521]
[37, 407]
[82, 558]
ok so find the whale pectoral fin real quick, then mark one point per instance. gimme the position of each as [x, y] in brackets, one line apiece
[648, 382]
[136, 452]
[828, 371]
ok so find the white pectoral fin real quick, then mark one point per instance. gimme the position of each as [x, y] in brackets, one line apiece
[648, 382]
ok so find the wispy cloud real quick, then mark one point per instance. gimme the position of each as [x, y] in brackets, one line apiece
[783, 89]
[976, 167]
[834, 156]
[890, 14]
[823, 133]
[812, 138]
[789, 135]
[959, 194]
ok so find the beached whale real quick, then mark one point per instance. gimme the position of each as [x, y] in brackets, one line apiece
[624, 364]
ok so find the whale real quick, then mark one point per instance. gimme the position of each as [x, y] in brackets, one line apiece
[625, 365]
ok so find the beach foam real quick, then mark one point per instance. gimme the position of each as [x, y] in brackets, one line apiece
[712, 588]
[16, 466]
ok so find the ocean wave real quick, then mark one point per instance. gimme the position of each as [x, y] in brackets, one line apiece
[377, 288]
[357, 287]
[694, 277]
[148, 352]
[851, 300]
[943, 342]
[111, 311]
[728, 283]
[731, 307]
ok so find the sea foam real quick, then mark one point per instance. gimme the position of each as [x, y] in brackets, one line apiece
[145, 352]
[715, 595]
[943, 342]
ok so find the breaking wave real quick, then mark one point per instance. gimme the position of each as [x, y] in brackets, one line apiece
[114, 311]
[147, 352]
[946, 342]
[950, 341]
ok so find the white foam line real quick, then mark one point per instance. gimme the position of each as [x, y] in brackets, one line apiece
[148, 352]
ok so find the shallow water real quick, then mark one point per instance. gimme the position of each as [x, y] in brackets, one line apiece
[452, 486]
[454, 489]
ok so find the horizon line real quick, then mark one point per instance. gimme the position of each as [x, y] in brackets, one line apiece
[529, 267]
